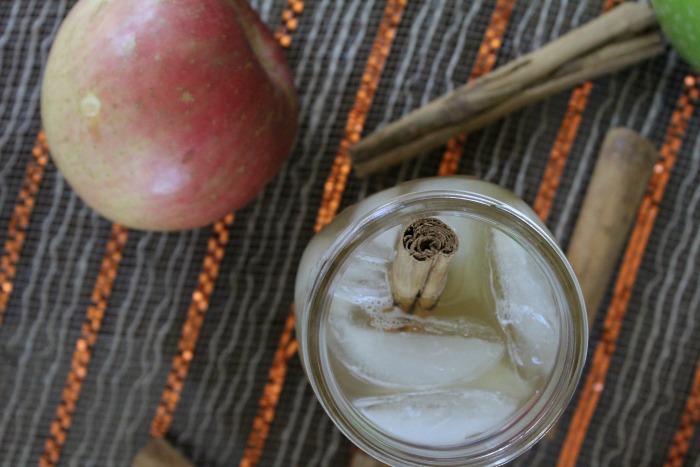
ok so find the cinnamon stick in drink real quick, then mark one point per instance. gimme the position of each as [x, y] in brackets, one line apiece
[419, 271]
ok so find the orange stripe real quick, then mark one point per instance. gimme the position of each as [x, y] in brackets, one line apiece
[336, 181]
[564, 142]
[207, 278]
[560, 150]
[290, 22]
[333, 191]
[190, 330]
[286, 349]
[639, 238]
[17, 229]
[689, 420]
[84, 346]
[485, 60]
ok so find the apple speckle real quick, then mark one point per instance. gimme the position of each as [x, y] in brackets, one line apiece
[187, 97]
[90, 105]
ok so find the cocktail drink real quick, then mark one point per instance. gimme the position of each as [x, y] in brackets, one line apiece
[439, 323]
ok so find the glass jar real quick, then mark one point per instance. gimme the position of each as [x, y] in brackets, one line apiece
[478, 379]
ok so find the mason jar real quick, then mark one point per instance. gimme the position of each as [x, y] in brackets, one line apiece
[479, 374]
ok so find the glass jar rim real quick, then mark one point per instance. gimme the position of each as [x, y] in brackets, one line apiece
[531, 423]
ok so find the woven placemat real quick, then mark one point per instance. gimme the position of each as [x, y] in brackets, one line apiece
[109, 336]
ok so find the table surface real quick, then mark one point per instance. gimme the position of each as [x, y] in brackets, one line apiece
[110, 336]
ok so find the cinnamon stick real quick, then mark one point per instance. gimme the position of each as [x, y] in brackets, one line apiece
[620, 178]
[419, 271]
[609, 43]
[617, 187]
[159, 453]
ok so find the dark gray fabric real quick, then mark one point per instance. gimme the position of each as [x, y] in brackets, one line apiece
[434, 51]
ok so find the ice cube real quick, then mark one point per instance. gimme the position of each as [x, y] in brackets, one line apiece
[504, 379]
[467, 287]
[438, 418]
[366, 275]
[525, 307]
[395, 350]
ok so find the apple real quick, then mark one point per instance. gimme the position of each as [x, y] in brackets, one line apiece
[167, 115]
[680, 21]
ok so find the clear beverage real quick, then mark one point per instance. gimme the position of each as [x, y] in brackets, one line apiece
[464, 367]
[476, 379]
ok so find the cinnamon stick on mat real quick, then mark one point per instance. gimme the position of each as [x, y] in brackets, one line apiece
[626, 35]
[620, 178]
[159, 453]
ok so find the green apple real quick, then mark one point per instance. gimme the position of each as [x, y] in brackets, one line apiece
[680, 21]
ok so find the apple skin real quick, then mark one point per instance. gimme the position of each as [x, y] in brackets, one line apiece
[680, 21]
[167, 114]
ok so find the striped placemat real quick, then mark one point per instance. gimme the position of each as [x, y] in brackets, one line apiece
[109, 337]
